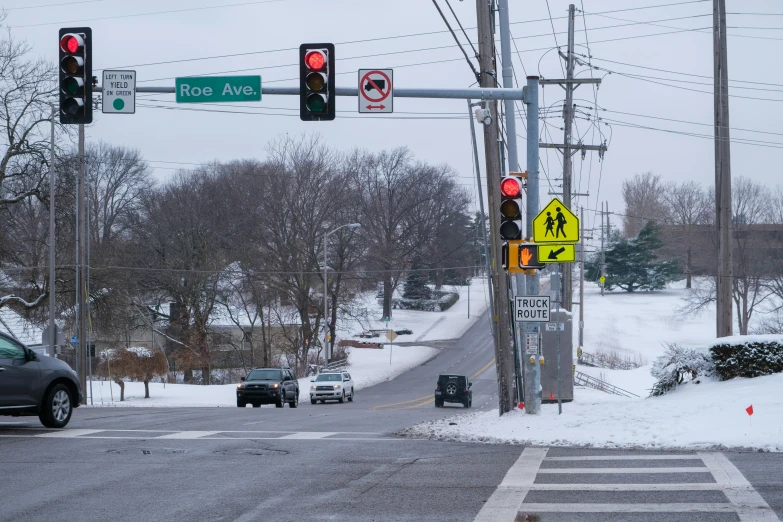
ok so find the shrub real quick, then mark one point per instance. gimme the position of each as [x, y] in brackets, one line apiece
[404, 331]
[448, 300]
[138, 364]
[679, 365]
[748, 356]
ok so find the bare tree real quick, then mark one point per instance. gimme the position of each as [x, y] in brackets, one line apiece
[688, 208]
[644, 201]
[26, 89]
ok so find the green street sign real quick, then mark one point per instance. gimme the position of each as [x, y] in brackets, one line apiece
[211, 89]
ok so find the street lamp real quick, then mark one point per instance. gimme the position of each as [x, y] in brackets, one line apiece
[352, 226]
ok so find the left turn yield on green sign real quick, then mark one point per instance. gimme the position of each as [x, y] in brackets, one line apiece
[212, 89]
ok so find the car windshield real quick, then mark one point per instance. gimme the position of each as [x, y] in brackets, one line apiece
[329, 377]
[264, 375]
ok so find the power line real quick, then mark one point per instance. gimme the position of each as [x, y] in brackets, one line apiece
[467, 59]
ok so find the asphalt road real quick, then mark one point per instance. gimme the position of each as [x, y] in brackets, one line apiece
[342, 462]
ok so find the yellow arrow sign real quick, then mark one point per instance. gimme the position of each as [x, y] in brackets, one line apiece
[555, 224]
[557, 253]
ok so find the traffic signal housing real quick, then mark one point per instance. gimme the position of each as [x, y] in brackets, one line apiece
[75, 75]
[511, 207]
[316, 82]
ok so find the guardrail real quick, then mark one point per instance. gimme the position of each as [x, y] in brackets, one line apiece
[333, 366]
[582, 379]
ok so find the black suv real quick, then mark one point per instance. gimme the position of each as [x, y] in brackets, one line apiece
[453, 388]
[33, 385]
[268, 386]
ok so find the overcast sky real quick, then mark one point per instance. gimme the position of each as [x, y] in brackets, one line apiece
[134, 35]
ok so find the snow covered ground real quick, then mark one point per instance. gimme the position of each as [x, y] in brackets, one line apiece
[705, 415]
[426, 326]
[367, 366]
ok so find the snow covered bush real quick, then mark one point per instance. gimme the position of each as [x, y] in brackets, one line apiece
[441, 302]
[747, 356]
[678, 365]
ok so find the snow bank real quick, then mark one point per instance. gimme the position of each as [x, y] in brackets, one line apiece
[695, 416]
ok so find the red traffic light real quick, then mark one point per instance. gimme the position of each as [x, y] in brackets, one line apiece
[315, 60]
[71, 43]
[510, 187]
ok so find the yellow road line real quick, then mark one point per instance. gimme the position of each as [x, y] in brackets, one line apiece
[490, 363]
[399, 403]
[428, 401]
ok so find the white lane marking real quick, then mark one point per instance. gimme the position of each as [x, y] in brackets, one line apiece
[309, 435]
[357, 439]
[604, 471]
[701, 507]
[696, 486]
[505, 502]
[750, 506]
[188, 435]
[628, 457]
[67, 434]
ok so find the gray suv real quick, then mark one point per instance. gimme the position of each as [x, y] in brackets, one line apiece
[36, 385]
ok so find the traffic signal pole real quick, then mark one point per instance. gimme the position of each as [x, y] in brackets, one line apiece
[81, 279]
[532, 371]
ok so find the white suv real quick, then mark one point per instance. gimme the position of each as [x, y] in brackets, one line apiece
[331, 386]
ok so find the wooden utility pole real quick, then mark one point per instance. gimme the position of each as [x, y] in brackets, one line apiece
[503, 347]
[723, 219]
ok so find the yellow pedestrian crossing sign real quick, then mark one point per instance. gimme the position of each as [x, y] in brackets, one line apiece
[556, 224]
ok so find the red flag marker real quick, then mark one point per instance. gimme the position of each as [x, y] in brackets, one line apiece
[551, 396]
[521, 405]
[749, 409]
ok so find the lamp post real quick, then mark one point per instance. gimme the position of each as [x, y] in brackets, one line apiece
[326, 288]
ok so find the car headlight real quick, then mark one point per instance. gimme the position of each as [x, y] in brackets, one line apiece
[313, 387]
[240, 386]
[275, 386]
[336, 386]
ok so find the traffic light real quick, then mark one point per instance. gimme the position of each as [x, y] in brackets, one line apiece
[76, 75]
[511, 208]
[316, 82]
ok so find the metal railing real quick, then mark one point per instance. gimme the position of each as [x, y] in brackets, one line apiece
[333, 366]
[603, 361]
[582, 379]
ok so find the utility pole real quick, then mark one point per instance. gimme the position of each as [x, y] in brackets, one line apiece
[504, 362]
[513, 166]
[569, 84]
[582, 279]
[52, 260]
[603, 256]
[723, 219]
[81, 280]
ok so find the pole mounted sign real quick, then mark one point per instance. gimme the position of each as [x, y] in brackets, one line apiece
[376, 91]
[211, 89]
[555, 224]
[557, 253]
[531, 308]
[119, 92]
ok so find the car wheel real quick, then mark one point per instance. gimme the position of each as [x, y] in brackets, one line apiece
[323, 401]
[241, 404]
[438, 403]
[313, 401]
[295, 403]
[57, 407]
[256, 405]
[281, 401]
[342, 398]
[466, 404]
[350, 399]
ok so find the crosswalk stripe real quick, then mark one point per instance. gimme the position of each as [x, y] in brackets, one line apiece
[697, 507]
[186, 435]
[604, 471]
[696, 486]
[626, 457]
[505, 502]
[748, 503]
[67, 434]
[309, 435]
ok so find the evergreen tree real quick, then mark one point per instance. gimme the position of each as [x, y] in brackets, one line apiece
[416, 282]
[631, 264]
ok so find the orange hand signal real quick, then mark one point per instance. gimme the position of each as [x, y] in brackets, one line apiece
[526, 255]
